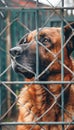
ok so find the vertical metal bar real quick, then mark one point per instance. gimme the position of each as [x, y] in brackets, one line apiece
[62, 68]
[37, 54]
[0, 105]
[0, 91]
[8, 46]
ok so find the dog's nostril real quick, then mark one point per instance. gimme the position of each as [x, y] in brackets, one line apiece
[15, 51]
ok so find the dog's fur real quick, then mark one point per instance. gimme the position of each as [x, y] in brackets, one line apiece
[39, 102]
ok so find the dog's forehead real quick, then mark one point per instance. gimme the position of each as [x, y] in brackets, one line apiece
[46, 31]
[49, 31]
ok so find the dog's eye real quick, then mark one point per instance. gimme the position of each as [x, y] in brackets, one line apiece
[46, 41]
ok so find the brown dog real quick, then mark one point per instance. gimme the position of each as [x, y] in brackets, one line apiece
[41, 102]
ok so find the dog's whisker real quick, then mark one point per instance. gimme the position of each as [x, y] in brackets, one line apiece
[24, 67]
[14, 59]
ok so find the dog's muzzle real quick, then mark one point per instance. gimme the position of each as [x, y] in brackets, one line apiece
[20, 62]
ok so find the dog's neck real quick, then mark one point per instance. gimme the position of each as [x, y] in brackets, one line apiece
[51, 75]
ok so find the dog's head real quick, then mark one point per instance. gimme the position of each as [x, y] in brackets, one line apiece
[44, 46]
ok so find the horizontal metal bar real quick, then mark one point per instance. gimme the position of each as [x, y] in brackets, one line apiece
[37, 82]
[34, 123]
[37, 8]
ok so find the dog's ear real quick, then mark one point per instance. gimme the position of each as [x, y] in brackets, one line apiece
[69, 36]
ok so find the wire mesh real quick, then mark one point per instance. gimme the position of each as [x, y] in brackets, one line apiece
[18, 18]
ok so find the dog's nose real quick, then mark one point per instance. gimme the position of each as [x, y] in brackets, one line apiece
[16, 51]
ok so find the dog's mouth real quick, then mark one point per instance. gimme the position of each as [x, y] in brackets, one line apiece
[25, 70]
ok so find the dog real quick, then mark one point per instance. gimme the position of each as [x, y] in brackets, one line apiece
[41, 102]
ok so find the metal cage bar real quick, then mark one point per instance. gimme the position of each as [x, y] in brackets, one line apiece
[62, 68]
